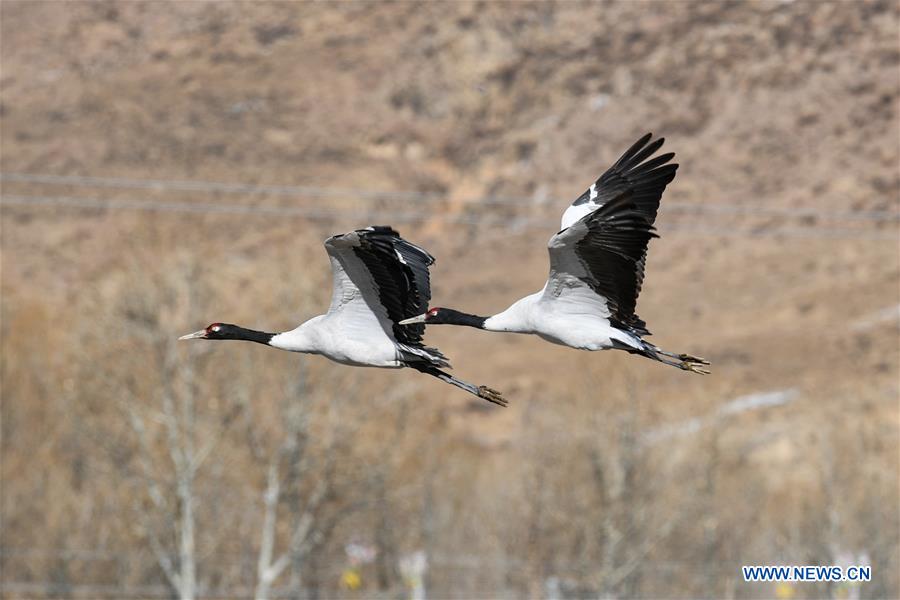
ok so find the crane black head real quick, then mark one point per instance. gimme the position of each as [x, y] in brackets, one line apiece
[227, 331]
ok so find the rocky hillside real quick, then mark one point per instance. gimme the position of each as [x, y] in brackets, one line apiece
[152, 148]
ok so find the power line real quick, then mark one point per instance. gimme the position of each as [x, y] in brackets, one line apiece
[225, 187]
[775, 211]
[408, 195]
[308, 213]
[137, 555]
[47, 589]
[514, 224]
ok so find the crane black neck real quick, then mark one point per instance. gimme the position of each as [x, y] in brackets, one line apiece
[227, 331]
[448, 316]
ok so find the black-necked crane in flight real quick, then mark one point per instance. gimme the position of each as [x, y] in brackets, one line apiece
[596, 267]
[378, 280]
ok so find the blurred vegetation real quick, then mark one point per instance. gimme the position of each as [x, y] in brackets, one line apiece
[135, 466]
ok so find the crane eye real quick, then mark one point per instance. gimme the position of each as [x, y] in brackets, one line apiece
[215, 327]
[433, 312]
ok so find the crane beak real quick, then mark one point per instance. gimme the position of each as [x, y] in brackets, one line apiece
[197, 334]
[420, 319]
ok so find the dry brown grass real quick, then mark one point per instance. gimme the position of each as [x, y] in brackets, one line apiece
[787, 105]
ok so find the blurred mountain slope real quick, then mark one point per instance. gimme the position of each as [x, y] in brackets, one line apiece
[771, 107]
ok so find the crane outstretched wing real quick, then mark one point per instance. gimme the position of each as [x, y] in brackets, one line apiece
[646, 180]
[603, 252]
[390, 275]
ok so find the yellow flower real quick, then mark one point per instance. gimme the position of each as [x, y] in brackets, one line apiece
[350, 579]
[784, 591]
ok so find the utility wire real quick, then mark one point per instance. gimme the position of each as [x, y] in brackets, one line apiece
[515, 224]
[308, 213]
[407, 195]
[223, 187]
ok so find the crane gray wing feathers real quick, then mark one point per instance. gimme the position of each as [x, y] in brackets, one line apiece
[598, 262]
[390, 275]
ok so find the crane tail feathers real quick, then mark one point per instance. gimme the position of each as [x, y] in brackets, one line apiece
[412, 355]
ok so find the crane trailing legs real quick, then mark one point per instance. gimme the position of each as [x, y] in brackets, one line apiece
[378, 280]
[597, 264]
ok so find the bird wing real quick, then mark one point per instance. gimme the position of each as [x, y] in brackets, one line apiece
[377, 267]
[601, 257]
[646, 180]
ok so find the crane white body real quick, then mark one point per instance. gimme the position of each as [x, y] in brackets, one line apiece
[567, 321]
[596, 266]
[343, 341]
[378, 279]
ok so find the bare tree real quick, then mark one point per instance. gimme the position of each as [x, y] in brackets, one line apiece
[306, 529]
[302, 478]
[167, 441]
[634, 518]
[177, 416]
[172, 406]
